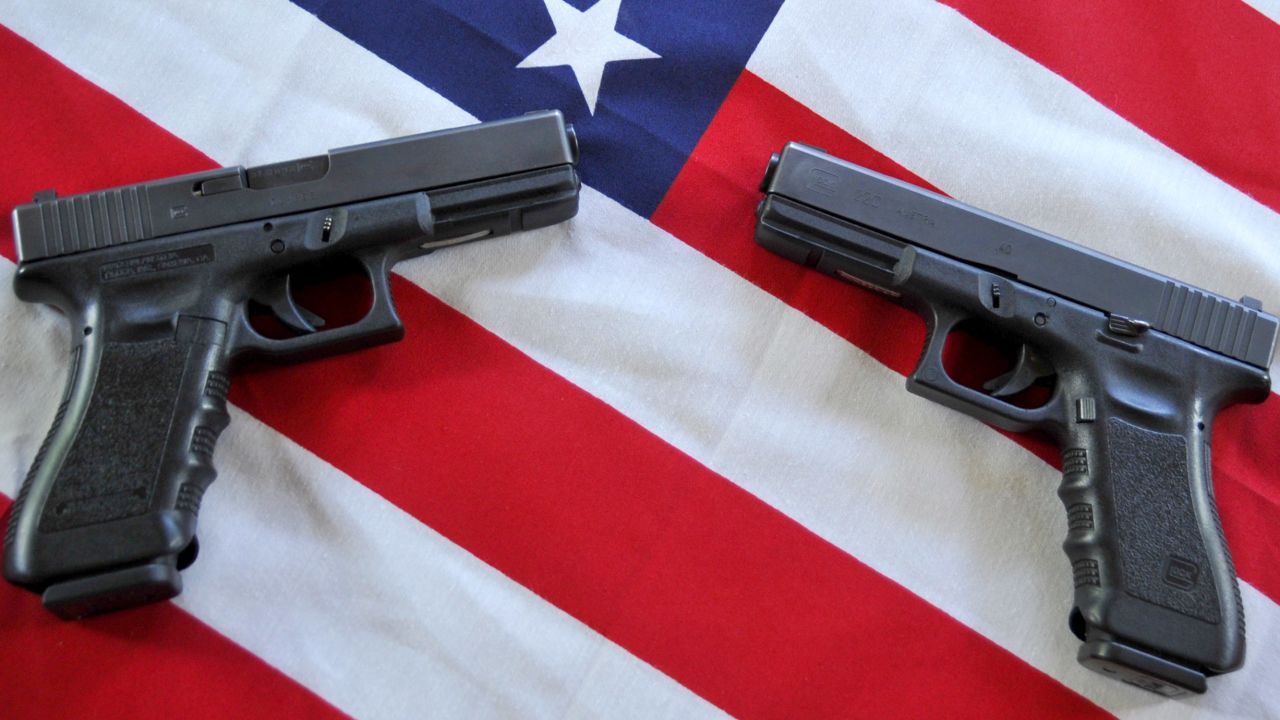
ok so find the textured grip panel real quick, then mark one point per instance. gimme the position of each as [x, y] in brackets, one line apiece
[1162, 553]
[1153, 578]
[113, 466]
[118, 481]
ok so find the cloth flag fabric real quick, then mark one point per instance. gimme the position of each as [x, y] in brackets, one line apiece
[635, 466]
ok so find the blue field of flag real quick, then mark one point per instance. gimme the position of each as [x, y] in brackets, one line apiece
[658, 69]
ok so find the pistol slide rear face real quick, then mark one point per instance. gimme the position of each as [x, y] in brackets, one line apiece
[166, 284]
[1130, 399]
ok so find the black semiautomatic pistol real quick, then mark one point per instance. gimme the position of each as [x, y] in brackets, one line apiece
[158, 282]
[1139, 365]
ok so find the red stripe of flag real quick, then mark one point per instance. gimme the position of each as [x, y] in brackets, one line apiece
[724, 173]
[1201, 77]
[159, 662]
[577, 502]
[682, 568]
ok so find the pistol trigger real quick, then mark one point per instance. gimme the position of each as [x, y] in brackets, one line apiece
[1029, 368]
[306, 315]
[279, 297]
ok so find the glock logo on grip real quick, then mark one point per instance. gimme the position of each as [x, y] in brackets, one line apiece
[1181, 573]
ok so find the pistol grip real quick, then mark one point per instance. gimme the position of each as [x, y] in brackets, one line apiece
[1156, 599]
[110, 503]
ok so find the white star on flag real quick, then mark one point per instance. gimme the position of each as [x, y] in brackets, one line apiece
[586, 41]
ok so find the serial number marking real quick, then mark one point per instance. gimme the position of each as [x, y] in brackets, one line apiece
[286, 169]
[915, 216]
[156, 262]
[297, 198]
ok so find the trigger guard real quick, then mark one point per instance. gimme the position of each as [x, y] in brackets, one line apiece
[931, 380]
[380, 325]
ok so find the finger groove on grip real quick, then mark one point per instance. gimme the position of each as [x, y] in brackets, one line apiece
[1084, 572]
[189, 497]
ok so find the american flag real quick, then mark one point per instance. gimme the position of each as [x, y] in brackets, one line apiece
[635, 466]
